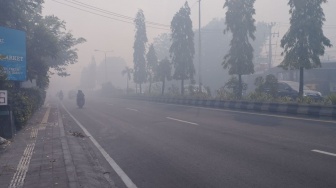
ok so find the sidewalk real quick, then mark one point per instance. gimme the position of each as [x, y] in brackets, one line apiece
[43, 154]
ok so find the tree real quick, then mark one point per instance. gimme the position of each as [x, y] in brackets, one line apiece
[164, 72]
[182, 50]
[268, 85]
[128, 72]
[139, 47]
[235, 86]
[162, 44]
[152, 64]
[240, 23]
[304, 42]
[49, 46]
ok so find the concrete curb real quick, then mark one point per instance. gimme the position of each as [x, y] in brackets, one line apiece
[317, 111]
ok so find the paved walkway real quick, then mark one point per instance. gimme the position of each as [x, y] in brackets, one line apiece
[46, 153]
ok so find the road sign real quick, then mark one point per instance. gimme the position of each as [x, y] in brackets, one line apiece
[13, 53]
[3, 97]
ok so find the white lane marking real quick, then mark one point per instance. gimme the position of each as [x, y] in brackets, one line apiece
[324, 152]
[128, 182]
[251, 113]
[132, 109]
[182, 121]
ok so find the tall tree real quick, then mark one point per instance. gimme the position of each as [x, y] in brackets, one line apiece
[162, 44]
[164, 72]
[182, 50]
[304, 42]
[152, 64]
[240, 22]
[128, 72]
[139, 47]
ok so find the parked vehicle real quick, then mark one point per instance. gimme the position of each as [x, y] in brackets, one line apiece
[191, 89]
[291, 89]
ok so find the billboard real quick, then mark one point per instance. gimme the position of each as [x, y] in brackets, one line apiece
[13, 53]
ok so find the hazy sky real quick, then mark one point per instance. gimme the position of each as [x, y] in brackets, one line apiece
[109, 34]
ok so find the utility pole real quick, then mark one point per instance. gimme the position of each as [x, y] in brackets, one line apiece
[199, 50]
[270, 51]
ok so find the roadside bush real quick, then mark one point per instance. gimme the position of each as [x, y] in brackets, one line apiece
[223, 94]
[268, 85]
[332, 98]
[233, 86]
[173, 91]
[259, 97]
[24, 102]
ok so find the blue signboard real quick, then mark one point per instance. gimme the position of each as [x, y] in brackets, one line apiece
[13, 53]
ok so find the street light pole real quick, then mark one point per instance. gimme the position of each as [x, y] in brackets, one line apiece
[105, 52]
[199, 49]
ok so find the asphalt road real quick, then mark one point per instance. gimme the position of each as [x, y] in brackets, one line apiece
[171, 146]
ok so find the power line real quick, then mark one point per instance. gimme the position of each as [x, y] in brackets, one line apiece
[94, 13]
[111, 13]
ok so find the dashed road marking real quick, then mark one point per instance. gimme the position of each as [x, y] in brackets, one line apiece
[250, 113]
[182, 121]
[132, 109]
[324, 152]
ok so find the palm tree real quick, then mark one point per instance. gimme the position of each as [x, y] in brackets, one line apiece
[128, 72]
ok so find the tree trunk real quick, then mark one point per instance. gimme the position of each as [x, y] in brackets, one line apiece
[182, 86]
[127, 86]
[301, 83]
[150, 85]
[136, 88]
[163, 86]
[240, 86]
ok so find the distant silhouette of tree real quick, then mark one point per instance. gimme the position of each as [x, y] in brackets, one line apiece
[139, 47]
[164, 72]
[162, 44]
[182, 50]
[128, 72]
[304, 41]
[240, 23]
[152, 64]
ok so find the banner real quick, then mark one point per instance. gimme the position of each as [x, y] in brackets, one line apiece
[13, 53]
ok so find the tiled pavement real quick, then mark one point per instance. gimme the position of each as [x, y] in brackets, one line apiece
[45, 154]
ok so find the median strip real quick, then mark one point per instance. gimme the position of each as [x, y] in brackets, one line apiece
[324, 152]
[182, 121]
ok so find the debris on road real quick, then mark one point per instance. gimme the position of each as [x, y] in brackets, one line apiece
[77, 134]
[4, 142]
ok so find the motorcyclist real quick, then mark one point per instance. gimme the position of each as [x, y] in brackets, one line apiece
[80, 98]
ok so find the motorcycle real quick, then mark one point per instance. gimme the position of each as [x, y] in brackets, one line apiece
[80, 102]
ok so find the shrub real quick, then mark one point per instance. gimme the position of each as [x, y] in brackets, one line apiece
[332, 98]
[223, 94]
[259, 97]
[24, 102]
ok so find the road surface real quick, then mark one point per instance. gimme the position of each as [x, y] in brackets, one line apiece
[155, 145]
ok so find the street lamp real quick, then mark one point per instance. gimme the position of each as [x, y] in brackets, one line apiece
[105, 52]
